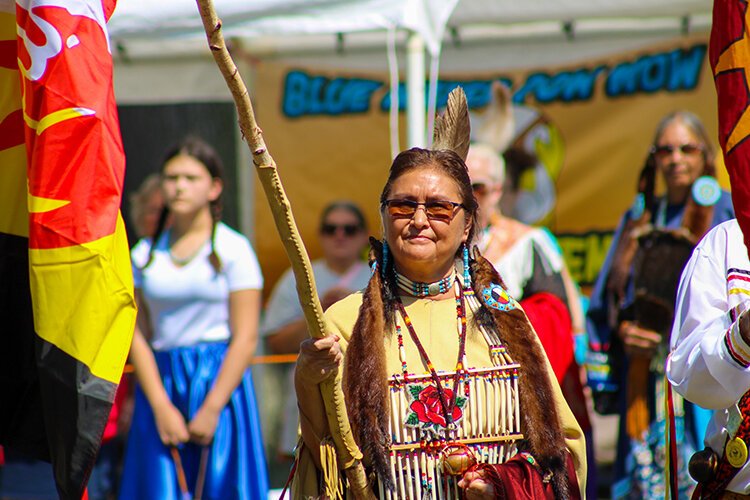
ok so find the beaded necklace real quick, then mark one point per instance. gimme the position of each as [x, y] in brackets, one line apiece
[420, 289]
[446, 406]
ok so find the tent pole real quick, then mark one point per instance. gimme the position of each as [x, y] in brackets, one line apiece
[415, 99]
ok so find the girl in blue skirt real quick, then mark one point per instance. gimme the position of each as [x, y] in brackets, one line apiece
[198, 283]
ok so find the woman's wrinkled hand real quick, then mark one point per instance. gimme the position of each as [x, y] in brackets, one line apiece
[203, 426]
[639, 342]
[475, 487]
[171, 425]
[319, 359]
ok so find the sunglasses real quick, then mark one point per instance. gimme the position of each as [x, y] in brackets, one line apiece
[440, 210]
[666, 150]
[348, 229]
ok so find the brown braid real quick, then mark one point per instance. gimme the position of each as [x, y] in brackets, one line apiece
[627, 246]
[213, 257]
[365, 376]
[160, 225]
[544, 440]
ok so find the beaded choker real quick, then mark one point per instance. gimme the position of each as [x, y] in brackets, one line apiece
[419, 289]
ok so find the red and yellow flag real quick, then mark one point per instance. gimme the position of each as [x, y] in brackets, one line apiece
[62, 156]
[729, 54]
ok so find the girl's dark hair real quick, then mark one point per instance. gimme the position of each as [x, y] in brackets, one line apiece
[196, 148]
[349, 206]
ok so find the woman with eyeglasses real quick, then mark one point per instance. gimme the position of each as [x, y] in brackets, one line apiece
[448, 390]
[340, 271]
[632, 306]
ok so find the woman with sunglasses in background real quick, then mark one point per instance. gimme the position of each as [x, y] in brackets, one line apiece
[448, 390]
[632, 306]
[341, 271]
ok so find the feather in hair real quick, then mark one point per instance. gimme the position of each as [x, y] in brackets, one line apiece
[452, 129]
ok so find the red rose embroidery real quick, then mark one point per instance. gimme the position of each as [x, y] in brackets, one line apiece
[428, 407]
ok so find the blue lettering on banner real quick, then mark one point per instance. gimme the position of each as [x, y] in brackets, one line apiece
[677, 70]
[317, 95]
[565, 86]
[671, 71]
[477, 93]
[385, 102]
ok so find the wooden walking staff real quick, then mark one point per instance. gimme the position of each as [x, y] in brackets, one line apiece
[347, 452]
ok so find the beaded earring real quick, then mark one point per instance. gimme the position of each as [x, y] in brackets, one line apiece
[467, 277]
[385, 259]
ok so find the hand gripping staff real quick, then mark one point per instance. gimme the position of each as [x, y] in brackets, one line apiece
[346, 455]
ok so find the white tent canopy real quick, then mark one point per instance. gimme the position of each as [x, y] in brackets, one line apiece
[178, 20]
[151, 28]
[147, 19]
[355, 30]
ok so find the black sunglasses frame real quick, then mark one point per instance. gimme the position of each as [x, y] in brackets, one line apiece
[348, 229]
[687, 149]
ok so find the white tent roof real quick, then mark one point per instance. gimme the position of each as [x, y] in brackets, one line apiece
[169, 24]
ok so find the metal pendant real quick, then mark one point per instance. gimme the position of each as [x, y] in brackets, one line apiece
[456, 459]
[703, 465]
[434, 288]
